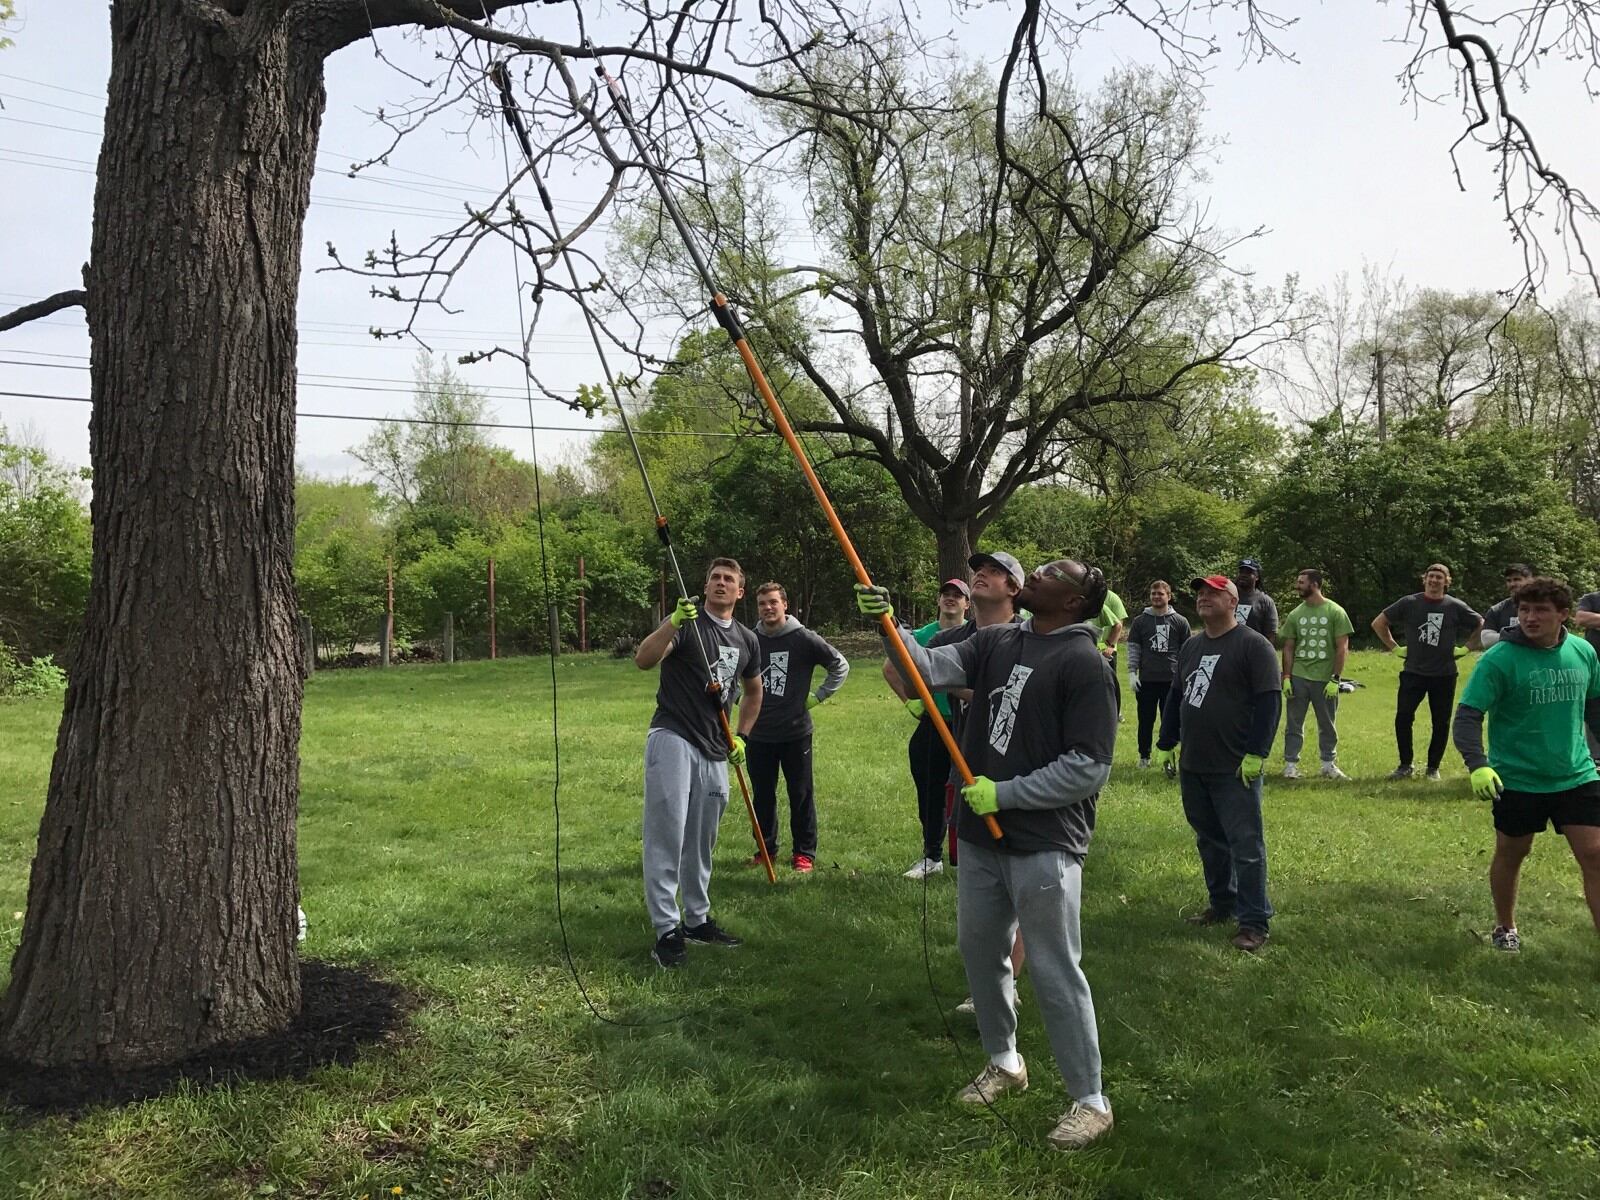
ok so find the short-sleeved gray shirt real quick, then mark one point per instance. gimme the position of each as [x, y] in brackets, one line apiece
[682, 705]
[1218, 681]
[1430, 630]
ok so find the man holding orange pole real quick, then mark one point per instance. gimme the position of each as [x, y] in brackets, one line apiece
[1039, 736]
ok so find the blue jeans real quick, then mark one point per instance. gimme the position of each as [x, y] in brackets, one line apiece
[1225, 814]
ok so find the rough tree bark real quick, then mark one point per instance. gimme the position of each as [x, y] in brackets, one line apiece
[161, 908]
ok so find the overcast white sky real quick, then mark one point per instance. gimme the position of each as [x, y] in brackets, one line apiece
[1324, 154]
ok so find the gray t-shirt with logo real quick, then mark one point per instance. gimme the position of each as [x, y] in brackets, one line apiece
[788, 659]
[1258, 611]
[1502, 615]
[1218, 681]
[1157, 639]
[682, 704]
[1590, 603]
[1430, 630]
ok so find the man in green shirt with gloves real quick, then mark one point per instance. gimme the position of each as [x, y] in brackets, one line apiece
[1316, 639]
[1539, 686]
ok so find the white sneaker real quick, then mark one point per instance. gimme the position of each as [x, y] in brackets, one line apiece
[966, 1007]
[1330, 770]
[1144, 764]
[925, 867]
[1291, 770]
[1079, 1126]
[991, 1082]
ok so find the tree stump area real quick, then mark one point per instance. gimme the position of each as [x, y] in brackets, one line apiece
[343, 1010]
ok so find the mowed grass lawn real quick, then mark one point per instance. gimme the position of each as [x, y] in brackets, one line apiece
[1377, 1048]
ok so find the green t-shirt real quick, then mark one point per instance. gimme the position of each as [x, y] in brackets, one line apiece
[924, 636]
[1113, 613]
[1316, 630]
[1534, 700]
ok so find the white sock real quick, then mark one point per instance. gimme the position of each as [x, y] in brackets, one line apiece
[1007, 1060]
[1098, 1102]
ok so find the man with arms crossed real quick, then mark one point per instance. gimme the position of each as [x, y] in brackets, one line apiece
[781, 736]
[1154, 640]
[1539, 687]
[1316, 641]
[1223, 713]
[1502, 614]
[686, 757]
[1039, 738]
[1428, 630]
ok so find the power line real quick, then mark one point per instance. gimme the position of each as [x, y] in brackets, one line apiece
[322, 416]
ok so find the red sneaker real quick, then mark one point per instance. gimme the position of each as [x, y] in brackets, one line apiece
[803, 864]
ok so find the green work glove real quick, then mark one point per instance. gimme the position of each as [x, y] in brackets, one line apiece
[1250, 768]
[873, 601]
[1331, 689]
[916, 708]
[685, 611]
[1460, 651]
[1486, 783]
[1399, 651]
[736, 751]
[1167, 760]
[1288, 689]
[813, 700]
[980, 796]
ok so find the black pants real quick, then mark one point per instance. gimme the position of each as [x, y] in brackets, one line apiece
[930, 771]
[762, 760]
[1440, 691]
[1151, 697]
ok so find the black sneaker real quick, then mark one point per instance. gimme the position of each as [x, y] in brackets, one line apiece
[1402, 772]
[711, 934]
[669, 952]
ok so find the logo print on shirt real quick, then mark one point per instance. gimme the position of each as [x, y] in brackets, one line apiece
[1194, 691]
[1158, 639]
[776, 677]
[1003, 707]
[724, 669]
[1430, 629]
[1241, 614]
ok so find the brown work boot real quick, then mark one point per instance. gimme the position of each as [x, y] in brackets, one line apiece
[1250, 939]
[1079, 1126]
[1209, 916]
[992, 1081]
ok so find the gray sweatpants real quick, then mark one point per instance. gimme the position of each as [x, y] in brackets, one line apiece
[685, 794]
[1308, 692]
[994, 894]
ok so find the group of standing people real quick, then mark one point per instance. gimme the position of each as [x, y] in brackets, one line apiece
[1023, 667]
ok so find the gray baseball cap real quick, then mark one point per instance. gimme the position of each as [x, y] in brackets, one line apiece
[1001, 559]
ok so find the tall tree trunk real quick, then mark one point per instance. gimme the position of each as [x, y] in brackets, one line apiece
[955, 548]
[161, 909]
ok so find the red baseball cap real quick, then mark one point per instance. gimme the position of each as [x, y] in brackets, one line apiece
[959, 584]
[1220, 582]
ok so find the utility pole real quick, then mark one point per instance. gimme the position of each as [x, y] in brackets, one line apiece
[1383, 415]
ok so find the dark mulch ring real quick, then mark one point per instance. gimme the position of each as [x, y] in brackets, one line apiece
[343, 1009]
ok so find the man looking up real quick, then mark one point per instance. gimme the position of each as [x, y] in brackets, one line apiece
[1433, 630]
[1154, 639]
[1256, 609]
[1316, 641]
[686, 756]
[1223, 713]
[930, 761]
[1039, 739]
[781, 736]
[1502, 614]
[1539, 689]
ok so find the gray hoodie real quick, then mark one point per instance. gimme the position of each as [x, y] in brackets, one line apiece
[789, 656]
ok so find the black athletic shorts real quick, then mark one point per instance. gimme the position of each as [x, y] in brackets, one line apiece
[1517, 814]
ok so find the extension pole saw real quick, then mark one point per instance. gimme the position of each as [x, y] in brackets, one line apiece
[728, 318]
[508, 108]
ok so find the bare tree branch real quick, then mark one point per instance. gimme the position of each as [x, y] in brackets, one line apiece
[76, 298]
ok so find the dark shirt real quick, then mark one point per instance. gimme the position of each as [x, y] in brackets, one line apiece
[1591, 603]
[1430, 630]
[1258, 611]
[1036, 698]
[1213, 700]
[1502, 615]
[788, 660]
[1158, 639]
[682, 704]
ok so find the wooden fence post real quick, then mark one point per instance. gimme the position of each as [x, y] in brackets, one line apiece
[583, 611]
[308, 645]
[385, 631]
[449, 637]
[493, 650]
